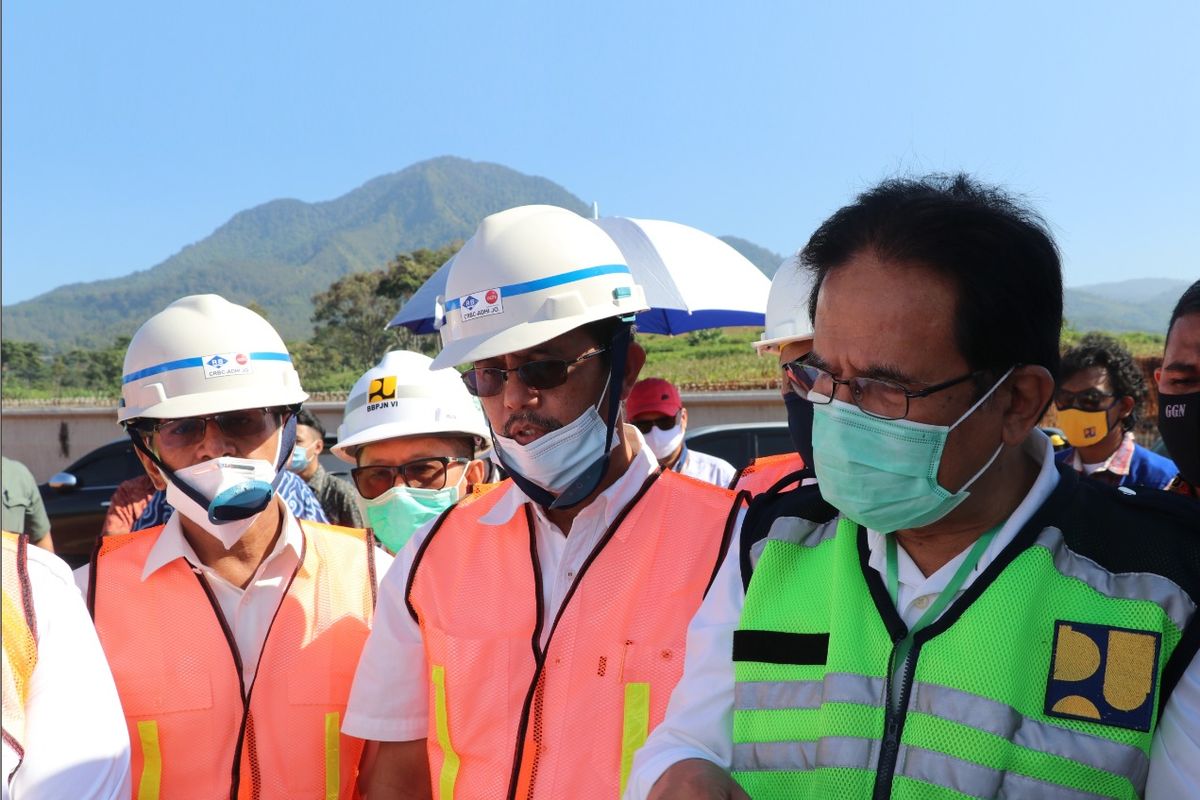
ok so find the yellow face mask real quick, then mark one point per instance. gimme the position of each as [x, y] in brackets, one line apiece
[1083, 428]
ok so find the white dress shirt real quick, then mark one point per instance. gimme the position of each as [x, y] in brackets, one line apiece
[76, 742]
[699, 718]
[248, 611]
[704, 467]
[389, 700]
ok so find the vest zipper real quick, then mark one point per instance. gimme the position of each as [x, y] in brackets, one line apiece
[895, 714]
[539, 652]
[236, 776]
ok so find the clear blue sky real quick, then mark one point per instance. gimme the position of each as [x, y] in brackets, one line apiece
[132, 129]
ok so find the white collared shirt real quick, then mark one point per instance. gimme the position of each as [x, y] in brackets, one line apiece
[76, 743]
[389, 700]
[249, 611]
[699, 718]
[704, 467]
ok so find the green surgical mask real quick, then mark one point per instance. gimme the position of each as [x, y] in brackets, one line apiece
[882, 473]
[397, 513]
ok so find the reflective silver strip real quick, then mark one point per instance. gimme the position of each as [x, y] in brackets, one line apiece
[831, 751]
[1127, 585]
[357, 401]
[795, 530]
[1002, 720]
[837, 687]
[977, 780]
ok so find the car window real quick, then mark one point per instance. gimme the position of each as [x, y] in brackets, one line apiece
[773, 442]
[733, 446]
[107, 469]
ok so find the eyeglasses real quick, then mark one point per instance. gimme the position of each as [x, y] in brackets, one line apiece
[1087, 400]
[543, 374]
[249, 427]
[875, 396]
[420, 473]
[662, 423]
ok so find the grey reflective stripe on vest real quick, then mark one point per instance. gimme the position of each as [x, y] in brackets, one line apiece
[943, 702]
[837, 687]
[1006, 722]
[795, 530]
[831, 751]
[977, 780]
[1126, 585]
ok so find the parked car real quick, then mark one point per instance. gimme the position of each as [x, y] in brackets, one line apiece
[741, 444]
[77, 498]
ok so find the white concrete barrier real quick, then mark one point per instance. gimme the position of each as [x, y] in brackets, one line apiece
[49, 438]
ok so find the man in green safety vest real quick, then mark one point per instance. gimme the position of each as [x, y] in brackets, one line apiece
[946, 614]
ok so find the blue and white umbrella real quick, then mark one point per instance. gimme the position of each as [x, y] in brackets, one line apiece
[693, 280]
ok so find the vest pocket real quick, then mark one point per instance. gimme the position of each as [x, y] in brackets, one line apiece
[152, 697]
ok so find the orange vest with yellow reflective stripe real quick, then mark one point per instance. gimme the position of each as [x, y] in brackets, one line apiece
[20, 640]
[194, 732]
[763, 473]
[508, 719]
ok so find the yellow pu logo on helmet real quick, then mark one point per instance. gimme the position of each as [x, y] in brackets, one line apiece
[1103, 674]
[382, 389]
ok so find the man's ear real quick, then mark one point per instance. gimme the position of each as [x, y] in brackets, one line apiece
[683, 418]
[476, 473]
[1125, 407]
[151, 470]
[1029, 389]
[633, 367]
[318, 446]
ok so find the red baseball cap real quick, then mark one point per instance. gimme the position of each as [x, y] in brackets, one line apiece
[653, 395]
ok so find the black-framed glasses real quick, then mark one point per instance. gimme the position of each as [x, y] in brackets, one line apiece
[874, 396]
[249, 427]
[420, 473]
[543, 374]
[662, 423]
[1086, 400]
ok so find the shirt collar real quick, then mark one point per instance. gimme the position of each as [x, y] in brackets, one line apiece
[1118, 463]
[172, 544]
[607, 504]
[1038, 446]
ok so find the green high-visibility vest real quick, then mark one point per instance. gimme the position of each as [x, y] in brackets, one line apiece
[1041, 680]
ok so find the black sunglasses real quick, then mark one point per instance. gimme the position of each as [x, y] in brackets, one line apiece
[246, 426]
[662, 423]
[543, 374]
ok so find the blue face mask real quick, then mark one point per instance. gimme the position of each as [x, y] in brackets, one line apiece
[397, 513]
[883, 473]
[299, 459]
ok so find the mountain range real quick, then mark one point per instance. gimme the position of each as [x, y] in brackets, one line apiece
[279, 254]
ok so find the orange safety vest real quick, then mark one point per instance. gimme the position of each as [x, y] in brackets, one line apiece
[20, 640]
[582, 707]
[195, 732]
[765, 472]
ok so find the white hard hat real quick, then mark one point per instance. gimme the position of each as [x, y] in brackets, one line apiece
[530, 274]
[403, 396]
[204, 355]
[787, 308]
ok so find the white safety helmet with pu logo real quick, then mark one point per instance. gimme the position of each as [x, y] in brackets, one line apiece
[787, 308]
[205, 355]
[402, 396]
[530, 274]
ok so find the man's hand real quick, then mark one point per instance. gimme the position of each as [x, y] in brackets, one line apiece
[696, 779]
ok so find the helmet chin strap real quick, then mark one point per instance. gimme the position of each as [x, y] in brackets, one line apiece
[287, 442]
[582, 487]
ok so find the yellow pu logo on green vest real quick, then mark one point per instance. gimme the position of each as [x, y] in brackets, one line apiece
[1103, 674]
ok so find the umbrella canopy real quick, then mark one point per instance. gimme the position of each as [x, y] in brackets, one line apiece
[692, 280]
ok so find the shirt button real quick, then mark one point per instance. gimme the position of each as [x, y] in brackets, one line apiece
[570, 573]
[922, 601]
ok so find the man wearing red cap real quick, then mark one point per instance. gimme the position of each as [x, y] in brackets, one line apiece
[655, 409]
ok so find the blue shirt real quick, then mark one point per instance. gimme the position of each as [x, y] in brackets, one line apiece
[1129, 465]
